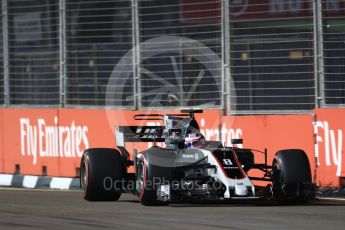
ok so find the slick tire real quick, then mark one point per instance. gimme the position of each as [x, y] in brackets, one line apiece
[100, 169]
[291, 176]
[147, 192]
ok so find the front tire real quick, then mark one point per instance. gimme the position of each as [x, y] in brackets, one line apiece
[291, 176]
[146, 189]
[100, 168]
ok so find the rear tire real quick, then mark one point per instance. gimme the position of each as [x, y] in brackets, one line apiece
[291, 176]
[100, 168]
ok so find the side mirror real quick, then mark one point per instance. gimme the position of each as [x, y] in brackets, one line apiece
[236, 141]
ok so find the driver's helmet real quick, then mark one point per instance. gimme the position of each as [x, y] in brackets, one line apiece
[194, 140]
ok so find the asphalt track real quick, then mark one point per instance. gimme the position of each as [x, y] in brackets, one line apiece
[46, 209]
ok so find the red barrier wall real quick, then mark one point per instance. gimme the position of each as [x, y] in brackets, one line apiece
[55, 138]
[276, 132]
[1, 143]
[329, 127]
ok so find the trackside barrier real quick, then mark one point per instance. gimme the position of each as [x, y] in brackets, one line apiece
[51, 141]
[329, 132]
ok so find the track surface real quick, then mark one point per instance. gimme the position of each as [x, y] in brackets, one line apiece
[35, 209]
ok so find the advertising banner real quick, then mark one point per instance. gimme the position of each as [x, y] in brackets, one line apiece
[51, 141]
[274, 132]
[329, 127]
[1, 143]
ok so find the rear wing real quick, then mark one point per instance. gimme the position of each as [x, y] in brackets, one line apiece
[139, 134]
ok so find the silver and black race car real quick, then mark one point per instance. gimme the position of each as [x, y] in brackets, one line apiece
[189, 168]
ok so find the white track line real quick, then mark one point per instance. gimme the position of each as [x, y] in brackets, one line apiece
[329, 198]
[38, 189]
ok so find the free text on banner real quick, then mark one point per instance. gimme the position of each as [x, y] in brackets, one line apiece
[329, 127]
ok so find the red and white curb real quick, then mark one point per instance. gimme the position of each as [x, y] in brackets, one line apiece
[26, 181]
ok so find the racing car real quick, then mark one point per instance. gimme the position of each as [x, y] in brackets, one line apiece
[189, 168]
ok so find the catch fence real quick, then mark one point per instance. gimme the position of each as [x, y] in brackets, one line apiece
[242, 56]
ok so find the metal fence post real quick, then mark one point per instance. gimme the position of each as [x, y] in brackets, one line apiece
[226, 74]
[318, 55]
[5, 53]
[62, 51]
[136, 55]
